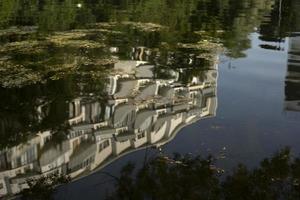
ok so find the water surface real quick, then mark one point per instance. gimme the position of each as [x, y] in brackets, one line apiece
[88, 85]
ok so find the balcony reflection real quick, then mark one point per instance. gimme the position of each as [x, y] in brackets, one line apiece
[142, 109]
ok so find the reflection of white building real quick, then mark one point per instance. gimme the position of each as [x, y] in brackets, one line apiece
[142, 111]
[292, 84]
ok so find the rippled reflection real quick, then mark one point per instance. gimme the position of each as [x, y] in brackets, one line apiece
[140, 110]
[292, 83]
[84, 82]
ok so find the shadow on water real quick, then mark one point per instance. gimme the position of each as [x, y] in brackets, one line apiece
[194, 177]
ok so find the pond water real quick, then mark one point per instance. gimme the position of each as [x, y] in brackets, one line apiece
[87, 85]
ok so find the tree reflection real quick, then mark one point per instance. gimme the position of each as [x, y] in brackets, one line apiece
[30, 109]
[44, 187]
[282, 21]
[189, 177]
[182, 17]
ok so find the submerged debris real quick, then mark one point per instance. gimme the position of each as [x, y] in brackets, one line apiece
[207, 49]
[204, 45]
[17, 75]
[73, 39]
[24, 47]
[146, 27]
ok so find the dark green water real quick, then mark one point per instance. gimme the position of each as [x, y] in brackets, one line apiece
[83, 83]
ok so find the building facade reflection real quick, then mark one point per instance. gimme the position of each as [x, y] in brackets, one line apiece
[292, 83]
[141, 110]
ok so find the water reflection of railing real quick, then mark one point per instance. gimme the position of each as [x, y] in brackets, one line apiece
[141, 111]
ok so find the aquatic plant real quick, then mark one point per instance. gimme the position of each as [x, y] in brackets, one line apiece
[193, 177]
